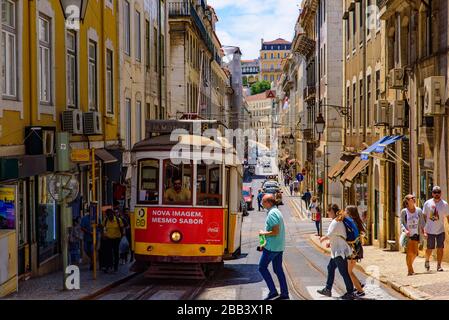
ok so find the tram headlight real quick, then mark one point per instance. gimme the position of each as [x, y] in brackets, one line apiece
[176, 236]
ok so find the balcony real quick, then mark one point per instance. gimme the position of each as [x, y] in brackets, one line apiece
[185, 9]
[304, 45]
[309, 92]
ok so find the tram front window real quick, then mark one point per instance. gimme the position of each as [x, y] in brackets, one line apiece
[177, 183]
[149, 181]
[209, 186]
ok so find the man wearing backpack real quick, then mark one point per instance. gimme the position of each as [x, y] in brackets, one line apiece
[340, 252]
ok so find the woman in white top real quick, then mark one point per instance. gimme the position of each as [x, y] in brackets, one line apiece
[312, 207]
[412, 223]
[340, 251]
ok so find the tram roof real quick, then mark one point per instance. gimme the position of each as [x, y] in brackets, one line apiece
[164, 143]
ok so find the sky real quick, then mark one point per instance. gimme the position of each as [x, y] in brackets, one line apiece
[243, 23]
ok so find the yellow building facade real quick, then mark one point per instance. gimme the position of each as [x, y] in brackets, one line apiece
[271, 55]
[52, 75]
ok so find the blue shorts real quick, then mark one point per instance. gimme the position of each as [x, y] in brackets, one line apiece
[438, 238]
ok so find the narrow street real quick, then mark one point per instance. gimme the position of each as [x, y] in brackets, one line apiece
[305, 266]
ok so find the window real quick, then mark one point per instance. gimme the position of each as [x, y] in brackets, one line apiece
[177, 183]
[272, 78]
[377, 85]
[348, 103]
[265, 77]
[138, 34]
[264, 55]
[44, 60]
[209, 186]
[109, 82]
[162, 53]
[368, 100]
[138, 121]
[272, 56]
[128, 123]
[361, 109]
[324, 60]
[354, 29]
[148, 181]
[9, 49]
[92, 75]
[127, 27]
[147, 44]
[72, 78]
[155, 49]
[354, 104]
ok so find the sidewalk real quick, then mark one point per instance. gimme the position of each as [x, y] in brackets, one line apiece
[390, 268]
[49, 287]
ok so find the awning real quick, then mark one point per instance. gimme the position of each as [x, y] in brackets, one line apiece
[358, 168]
[105, 156]
[349, 169]
[379, 146]
[12, 168]
[338, 168]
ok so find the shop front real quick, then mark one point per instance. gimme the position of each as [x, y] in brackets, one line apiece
[18, 228]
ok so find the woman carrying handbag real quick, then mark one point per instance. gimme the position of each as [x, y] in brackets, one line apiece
[412, 227]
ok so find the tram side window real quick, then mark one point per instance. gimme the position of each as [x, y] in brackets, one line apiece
[149, 181]
[177, 183]
[209, 186]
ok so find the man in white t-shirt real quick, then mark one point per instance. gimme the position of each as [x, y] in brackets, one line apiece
[435, 210]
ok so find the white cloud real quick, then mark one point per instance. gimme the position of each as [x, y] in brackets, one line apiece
[244, 22]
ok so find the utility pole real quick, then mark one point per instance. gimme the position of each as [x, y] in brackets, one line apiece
[95, 221]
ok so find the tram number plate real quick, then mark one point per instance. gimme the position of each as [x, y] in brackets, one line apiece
[141, 219]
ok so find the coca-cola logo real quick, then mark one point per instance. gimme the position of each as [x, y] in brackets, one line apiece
[213, 230]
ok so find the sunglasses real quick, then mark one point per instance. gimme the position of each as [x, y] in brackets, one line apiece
[436, 192]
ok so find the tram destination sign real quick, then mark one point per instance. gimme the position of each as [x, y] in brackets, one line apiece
[168, 126]
[197, 225]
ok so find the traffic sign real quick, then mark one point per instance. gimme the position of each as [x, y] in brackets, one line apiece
[271, 94]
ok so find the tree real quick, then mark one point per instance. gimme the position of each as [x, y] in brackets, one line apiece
[260, 86]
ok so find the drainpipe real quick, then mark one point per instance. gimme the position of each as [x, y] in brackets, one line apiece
[161, 67]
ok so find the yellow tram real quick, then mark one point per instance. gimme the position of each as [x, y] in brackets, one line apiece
[186, 203]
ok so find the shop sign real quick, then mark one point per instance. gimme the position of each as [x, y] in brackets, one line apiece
[80, 155]
[7, 207]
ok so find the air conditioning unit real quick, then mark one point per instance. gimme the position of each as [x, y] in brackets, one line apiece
[434, 88]
[398, 118]
[72, 121]
[92, 123]
[396, 78]
[382, 113]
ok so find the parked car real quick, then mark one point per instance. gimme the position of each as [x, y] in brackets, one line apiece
[271, 184]
[248, 196]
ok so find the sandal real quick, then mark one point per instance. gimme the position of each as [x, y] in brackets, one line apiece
[427, 265]
[440, 269]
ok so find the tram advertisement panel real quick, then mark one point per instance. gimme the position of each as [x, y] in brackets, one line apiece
[196, 225]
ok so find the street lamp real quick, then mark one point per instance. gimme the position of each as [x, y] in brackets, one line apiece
[283, 144]
[74, 12]
[291, 139]
[320, 124]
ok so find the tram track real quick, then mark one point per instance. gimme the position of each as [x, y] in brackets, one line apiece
[159, 290]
